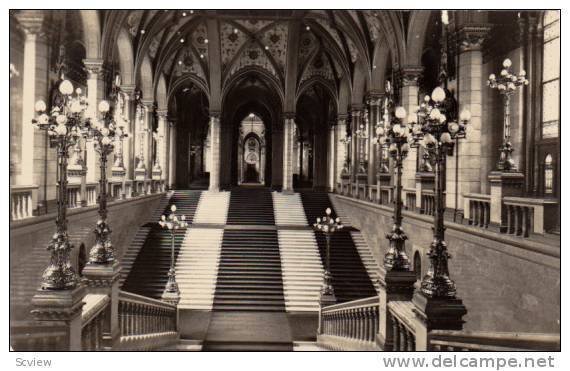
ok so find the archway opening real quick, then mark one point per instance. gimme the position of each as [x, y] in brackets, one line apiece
[251, 151]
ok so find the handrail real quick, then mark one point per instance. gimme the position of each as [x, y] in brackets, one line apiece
[359, 303]
[493, 341]
[94, 305]
[139, 299]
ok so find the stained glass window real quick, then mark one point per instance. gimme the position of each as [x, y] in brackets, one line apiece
[551, 75]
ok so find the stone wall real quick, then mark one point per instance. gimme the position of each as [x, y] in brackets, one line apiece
[507, 284]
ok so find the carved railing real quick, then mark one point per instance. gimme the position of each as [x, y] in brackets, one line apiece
[401, 316]
[22, 201]
[73, 196]
[91, 194]
[146, 323]
[528, 215]
[428, 202]
[477, 209]
[93, 320]
[38, 337]
[443, 340]
[350, 326]
[409, 199]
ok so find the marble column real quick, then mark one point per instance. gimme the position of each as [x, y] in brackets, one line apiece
[341, 148]
[94, 69]
[467, 154]
[129, 149]
[374, 99]
[215, 132]
[172, 156]
[288, 138]
[149, 140]
[332, 150]
[159, 166]
[409, 100]
[31, 22]
[354, 145]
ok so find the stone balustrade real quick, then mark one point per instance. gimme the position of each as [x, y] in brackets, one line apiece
[477, 209]
[409, 199]
[93, 319]
[73, 196]
[23, 201]
[530, 215]
[91, 194]
[444, 340]
[402, 320]
[146, 323]
[350, 326]
[521, 217]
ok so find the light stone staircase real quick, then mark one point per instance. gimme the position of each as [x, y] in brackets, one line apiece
[302, 270]
[197, 267]
[368, 259]
[288, 209]
[140, 237]
[212, 208]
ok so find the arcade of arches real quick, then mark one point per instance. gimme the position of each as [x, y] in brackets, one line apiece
[257, 114]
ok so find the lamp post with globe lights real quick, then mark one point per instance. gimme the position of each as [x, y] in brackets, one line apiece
[507, 83]
[328, 226]
[172, 223]
[395, 134]
[65, 124]
[103, 131]
[437, 129]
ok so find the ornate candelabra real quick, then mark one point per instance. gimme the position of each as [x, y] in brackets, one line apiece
[120, 134]
[436, 127]
[172, 222]
[507, 83]
[158, 140]
[362, 134]
[103, 131]
[381, 129]
[65, 124]
[142, 133]
[328, 226]
[396, 135]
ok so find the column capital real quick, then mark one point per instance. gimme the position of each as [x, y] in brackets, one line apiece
[357, 109]
[31, 21]
[374, 97]
[148, 103]
[129, 90]
[409, 75]
[162, 113]
[342, 116]
[288, 115]
[471, 37]
[93, 66]
[215, 114]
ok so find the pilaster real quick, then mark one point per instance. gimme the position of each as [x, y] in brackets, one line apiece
[215, 152]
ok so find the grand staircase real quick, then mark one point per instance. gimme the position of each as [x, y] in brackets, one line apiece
[148, 275]
[249, 266]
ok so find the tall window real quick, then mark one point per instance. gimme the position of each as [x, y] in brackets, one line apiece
[551, 75]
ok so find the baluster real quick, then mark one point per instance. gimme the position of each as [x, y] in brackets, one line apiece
[403, 337]
[518, 220]
[375, 320]
[360, 323]
[395, 334]
[354, 323]
[510, 228]
[487, 214]
[132, 319]
[525, 213]
[411, 341]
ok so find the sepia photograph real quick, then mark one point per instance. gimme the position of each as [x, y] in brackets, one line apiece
[285, 180]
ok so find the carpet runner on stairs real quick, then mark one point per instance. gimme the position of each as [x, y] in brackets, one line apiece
[249, 272]
[250, 206]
